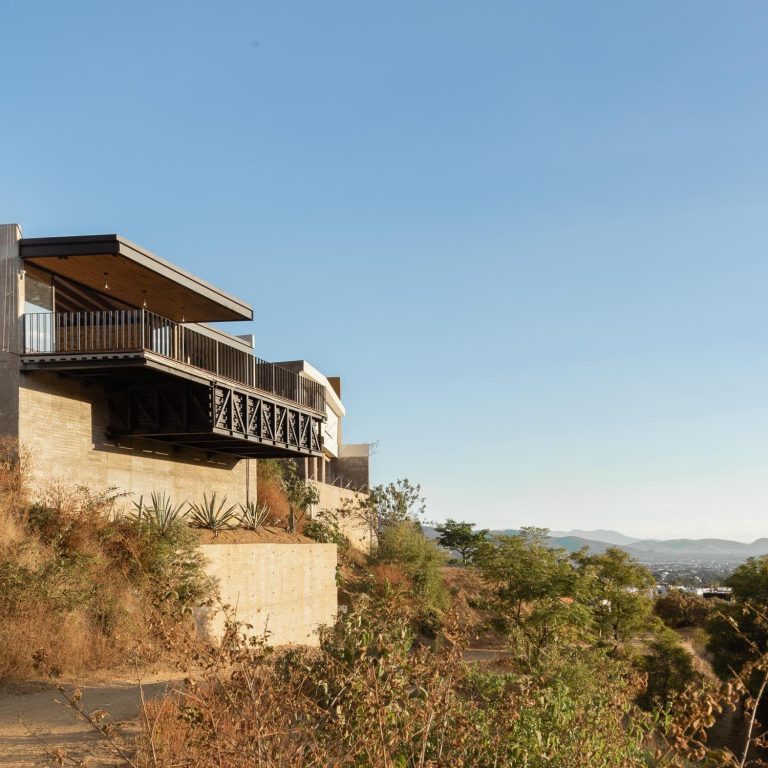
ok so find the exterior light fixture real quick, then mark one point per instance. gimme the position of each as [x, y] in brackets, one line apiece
[106, 281]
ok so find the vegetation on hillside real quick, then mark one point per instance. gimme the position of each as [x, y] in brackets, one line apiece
[81, 589]
[589, 675]
[586, 669]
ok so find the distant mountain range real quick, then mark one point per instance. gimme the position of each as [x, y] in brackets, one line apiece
[609, 537]
[651, 550]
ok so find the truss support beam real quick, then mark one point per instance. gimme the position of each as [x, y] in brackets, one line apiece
[218, 418]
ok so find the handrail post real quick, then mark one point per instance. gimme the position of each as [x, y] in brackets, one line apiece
[118, 330]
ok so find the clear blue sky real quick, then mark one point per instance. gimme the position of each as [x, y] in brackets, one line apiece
[531, 237]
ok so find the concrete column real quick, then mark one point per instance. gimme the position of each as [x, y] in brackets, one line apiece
[11, 308]
[251, 480]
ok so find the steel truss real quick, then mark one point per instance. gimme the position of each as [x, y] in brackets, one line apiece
[218, 418]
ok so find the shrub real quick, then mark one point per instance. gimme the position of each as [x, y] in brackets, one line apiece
[287, 494]
[61, 597]
[164, 563]
[322, 532]
[14, 478]
[253, 516]
[72, 519]
[678, 609]
[212, 516]
[270, 491]
[80, 589]
[669, 669]
[421, 560]
[160, 512]
[324, 527]
[370, 696]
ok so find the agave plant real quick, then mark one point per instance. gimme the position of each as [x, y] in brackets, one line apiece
[211, 515]
[160, 513]
[253, 516]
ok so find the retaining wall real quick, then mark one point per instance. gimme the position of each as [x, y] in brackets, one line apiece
[332, 497]
[287, 590]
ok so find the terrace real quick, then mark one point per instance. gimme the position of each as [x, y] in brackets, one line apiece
[167, 379]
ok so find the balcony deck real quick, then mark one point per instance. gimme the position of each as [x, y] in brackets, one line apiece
[171, 382]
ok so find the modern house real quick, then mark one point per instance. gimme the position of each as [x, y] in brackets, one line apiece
[344, 465]
[111, 375]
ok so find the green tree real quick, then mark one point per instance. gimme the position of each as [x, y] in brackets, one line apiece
[460, 537]
[616, 587]
[388, 505]
[678, 609]
[533, 588]
[301, 495]
[522, 569]
[738, 632]
[669, 669]
[749, 581]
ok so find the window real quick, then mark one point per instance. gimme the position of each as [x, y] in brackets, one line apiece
[38, 311]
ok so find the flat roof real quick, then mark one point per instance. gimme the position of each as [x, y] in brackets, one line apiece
[135, 276]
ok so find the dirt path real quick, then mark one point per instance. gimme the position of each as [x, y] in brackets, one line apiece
[36, 709]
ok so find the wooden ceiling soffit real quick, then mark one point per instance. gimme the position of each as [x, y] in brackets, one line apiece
[116, 267]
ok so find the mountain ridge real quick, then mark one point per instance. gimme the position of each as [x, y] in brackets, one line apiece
[649, 550]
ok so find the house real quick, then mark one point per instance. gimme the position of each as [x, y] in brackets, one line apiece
[344, 465]
[341, 472]
[112, 376]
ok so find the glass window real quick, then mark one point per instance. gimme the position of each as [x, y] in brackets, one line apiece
[38, 291]
[38, 311]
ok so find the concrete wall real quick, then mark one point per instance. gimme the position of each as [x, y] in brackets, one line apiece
[10, 362]
[63, 421]
[352, 466]
[332, 497]
[287, 590]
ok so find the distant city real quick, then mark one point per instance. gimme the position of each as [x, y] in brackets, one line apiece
[693, 563]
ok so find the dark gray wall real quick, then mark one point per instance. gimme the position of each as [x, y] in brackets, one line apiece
[10, 361]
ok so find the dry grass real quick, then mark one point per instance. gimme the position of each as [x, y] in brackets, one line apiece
[389, 574]
[75, 589]
[66, 644]
[270, 492]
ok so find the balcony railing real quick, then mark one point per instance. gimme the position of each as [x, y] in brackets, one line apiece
[138, 330]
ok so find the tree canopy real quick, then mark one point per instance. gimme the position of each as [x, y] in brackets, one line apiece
[460, 537]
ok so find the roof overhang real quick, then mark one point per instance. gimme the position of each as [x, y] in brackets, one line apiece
[134, 275]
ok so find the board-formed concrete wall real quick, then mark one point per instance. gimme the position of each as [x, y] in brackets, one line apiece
[355, 529]
[63, 423]
[285, 590]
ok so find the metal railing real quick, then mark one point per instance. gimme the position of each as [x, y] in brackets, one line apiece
[137, 330]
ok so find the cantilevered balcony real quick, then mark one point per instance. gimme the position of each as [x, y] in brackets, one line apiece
[179, 383]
